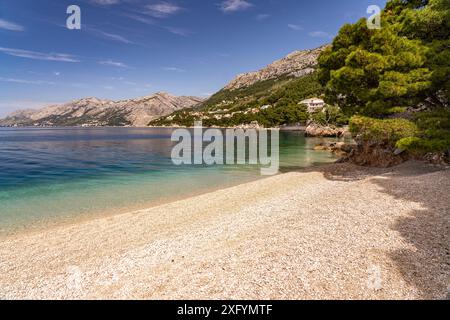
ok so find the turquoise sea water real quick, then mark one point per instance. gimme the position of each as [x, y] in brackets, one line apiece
[50, 175]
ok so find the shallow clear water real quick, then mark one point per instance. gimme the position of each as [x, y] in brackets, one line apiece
[56, 174]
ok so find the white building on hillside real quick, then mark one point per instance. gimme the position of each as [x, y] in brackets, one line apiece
[314, 104]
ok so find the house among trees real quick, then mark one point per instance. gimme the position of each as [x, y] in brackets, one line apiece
[314, 104]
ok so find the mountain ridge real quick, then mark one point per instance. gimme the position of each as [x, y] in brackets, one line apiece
[92, 111]
[296, 64]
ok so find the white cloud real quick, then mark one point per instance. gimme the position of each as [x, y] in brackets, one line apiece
[320, 34]
[235, 5]
[113, 63]
[24, 81]
[11, 26]
[179, 31]
[295, 27]
[110, 36]
[141, 19]
[56, 73]
[105, 2]
[116, 37]
[39, 55]
[174, 69]
[162, 9]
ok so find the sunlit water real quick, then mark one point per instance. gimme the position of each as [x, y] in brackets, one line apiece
[58, 174]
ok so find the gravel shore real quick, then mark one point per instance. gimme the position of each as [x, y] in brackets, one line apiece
[333, 232]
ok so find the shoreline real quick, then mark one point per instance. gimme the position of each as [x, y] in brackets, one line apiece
[288, 128]
[52, 217]
[61, 222]
[310, 234]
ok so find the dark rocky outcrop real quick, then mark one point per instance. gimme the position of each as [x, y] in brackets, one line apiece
[340, 148]
[375, 155]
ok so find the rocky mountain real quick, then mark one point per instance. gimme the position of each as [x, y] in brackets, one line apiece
[269, 97]
[98, 112]
[296, 64]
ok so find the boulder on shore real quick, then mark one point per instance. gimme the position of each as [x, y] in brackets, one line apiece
[375, 154]
[338, 148]
[316, 130]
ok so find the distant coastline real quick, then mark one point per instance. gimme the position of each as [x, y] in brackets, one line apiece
[286, 128]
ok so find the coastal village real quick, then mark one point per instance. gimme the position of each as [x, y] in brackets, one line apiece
[313, 105]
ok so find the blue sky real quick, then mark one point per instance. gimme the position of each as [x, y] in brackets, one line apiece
[131, 48]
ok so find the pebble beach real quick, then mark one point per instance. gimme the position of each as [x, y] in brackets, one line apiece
[332, 232]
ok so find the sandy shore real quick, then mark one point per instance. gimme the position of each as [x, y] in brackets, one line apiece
[334, 232]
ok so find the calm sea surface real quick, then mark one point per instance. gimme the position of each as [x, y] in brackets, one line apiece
[58, 174]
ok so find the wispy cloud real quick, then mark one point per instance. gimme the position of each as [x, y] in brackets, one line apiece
[39, 55]
[105, 2]
[234, 5]
[24, 81]
[113, 63]
[320, 34]
[174, 69]
[140, 18]
[109, 36]
[295, 27]
[179, 31]
[262, 16]
[162, 9]
[11, 26]
[150, 21]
